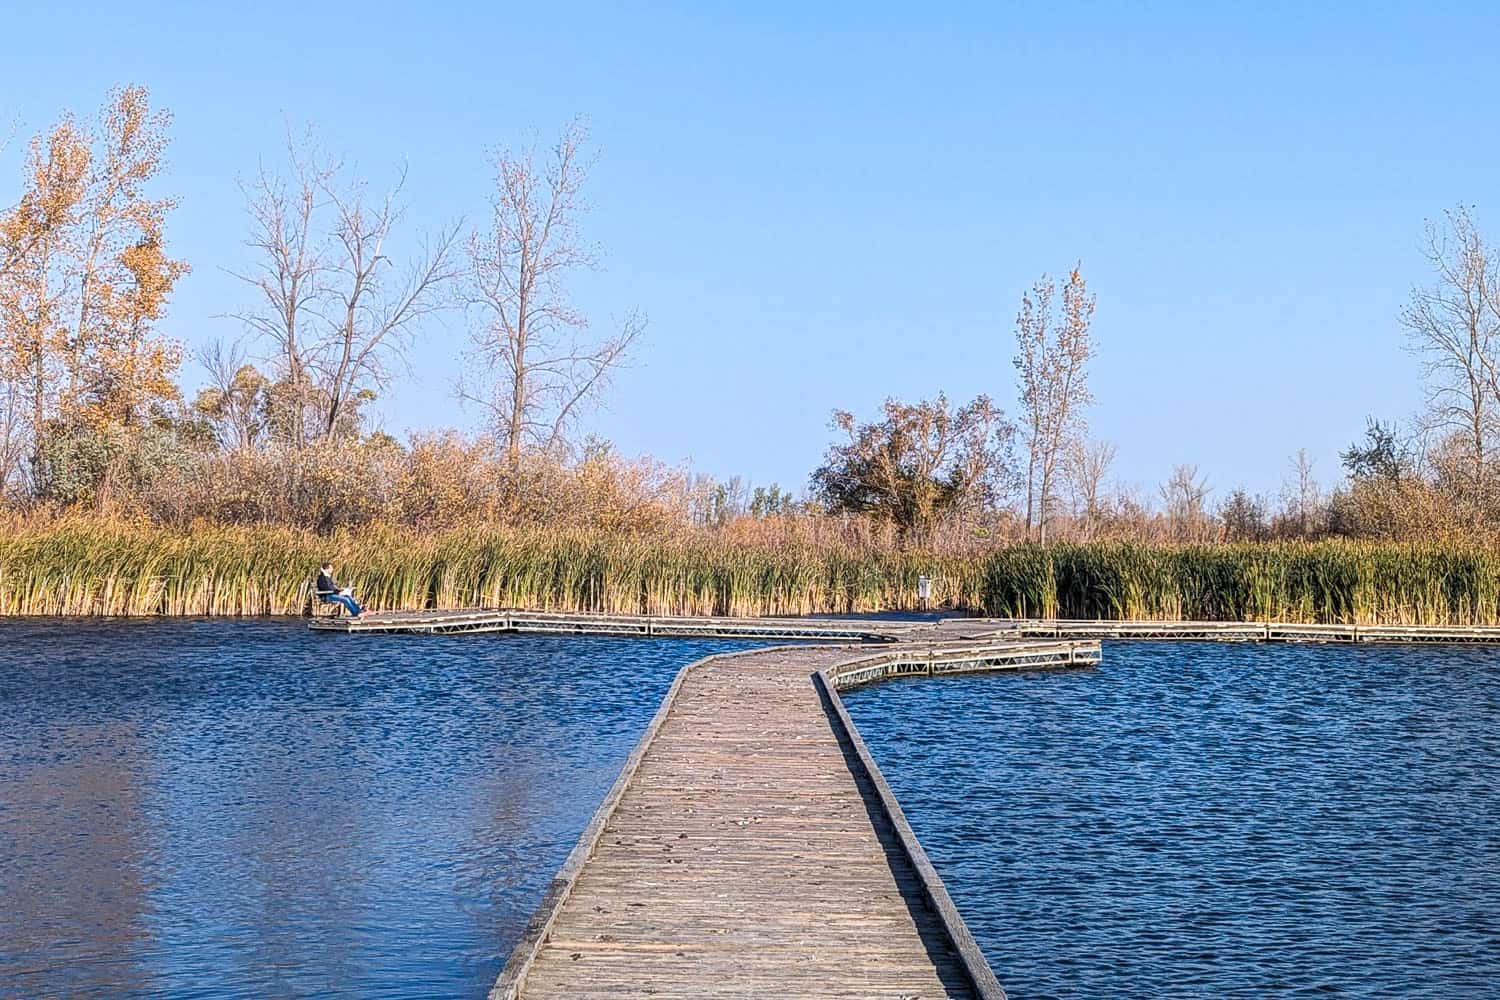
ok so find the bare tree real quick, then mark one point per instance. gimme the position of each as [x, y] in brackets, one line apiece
[1184, 497]
[373, 310]
[526, 334]
[337, 311]
[235, 400]
[1301, 495]
[1453, 325]
[1051, 359]
[1087, 463]
[286, 272]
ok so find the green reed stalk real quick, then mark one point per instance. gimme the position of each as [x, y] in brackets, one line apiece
[79, 565]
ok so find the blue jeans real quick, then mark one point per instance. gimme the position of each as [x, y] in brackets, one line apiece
[348, 602]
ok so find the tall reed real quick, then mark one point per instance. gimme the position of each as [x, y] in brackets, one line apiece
[79, 565]
[1334, 581]
[86, 566]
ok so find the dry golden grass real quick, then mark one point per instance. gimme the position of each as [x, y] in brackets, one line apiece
[88, 565]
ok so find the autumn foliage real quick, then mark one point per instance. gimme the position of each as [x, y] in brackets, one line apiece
[92, 418]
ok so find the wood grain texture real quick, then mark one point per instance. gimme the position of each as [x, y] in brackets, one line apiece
[751, 849]
[743, 860]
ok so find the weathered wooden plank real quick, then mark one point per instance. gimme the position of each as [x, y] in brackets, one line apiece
[1257, 631]
[946, 632]
[750, 848]
[464, 620]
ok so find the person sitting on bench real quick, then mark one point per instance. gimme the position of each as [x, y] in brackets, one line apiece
[331, 593]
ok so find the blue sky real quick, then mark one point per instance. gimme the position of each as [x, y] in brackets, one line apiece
[819, 208]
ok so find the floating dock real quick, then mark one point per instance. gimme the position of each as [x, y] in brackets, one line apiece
[1253, 631]
[890, 630]
[751, 848]
[578, 623]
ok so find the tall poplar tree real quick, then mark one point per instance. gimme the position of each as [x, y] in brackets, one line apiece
[1053, 351]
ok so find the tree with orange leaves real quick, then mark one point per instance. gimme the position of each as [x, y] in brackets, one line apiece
[84, 279]
[35, 240]
[119, 367]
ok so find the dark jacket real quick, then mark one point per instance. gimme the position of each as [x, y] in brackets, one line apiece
[326, 584]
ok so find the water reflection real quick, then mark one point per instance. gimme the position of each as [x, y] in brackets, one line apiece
[76, 797]
[245, 809]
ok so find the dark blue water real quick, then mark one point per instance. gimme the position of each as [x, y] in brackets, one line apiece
[245, 809]
[1201, 820]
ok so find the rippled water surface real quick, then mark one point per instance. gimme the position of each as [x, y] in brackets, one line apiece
[245, 809]
[1202, 820]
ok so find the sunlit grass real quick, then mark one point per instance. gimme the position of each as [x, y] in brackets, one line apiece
[79, 565]
[1335, 581]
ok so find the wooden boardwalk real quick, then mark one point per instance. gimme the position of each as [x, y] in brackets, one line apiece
[465, 620]
[750, 847]
[1253, 631]
[890, 630]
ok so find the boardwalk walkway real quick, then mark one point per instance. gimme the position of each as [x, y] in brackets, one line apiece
[889, 629]
[750, 847]
[745, 857]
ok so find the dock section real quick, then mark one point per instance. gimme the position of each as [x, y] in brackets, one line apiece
[890, 630]
[1058, 628]
[582, 623]
[750, 847]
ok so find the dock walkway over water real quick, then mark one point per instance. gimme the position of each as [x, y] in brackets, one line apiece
[750, 846]
[585, 623]
[893, 629]
[752, 849]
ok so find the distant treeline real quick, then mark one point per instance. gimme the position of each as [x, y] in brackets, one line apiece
[92, 566]
[337, 284]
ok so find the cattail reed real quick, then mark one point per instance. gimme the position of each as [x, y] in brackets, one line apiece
[81, 565]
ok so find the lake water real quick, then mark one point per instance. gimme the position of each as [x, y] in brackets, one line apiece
[246, 809]
[1205, 820]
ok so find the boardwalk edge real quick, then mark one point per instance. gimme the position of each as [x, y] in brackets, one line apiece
[513, 975]
[976, 966]
[470, 620]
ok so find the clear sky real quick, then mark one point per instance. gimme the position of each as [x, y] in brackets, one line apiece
[823, 205]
